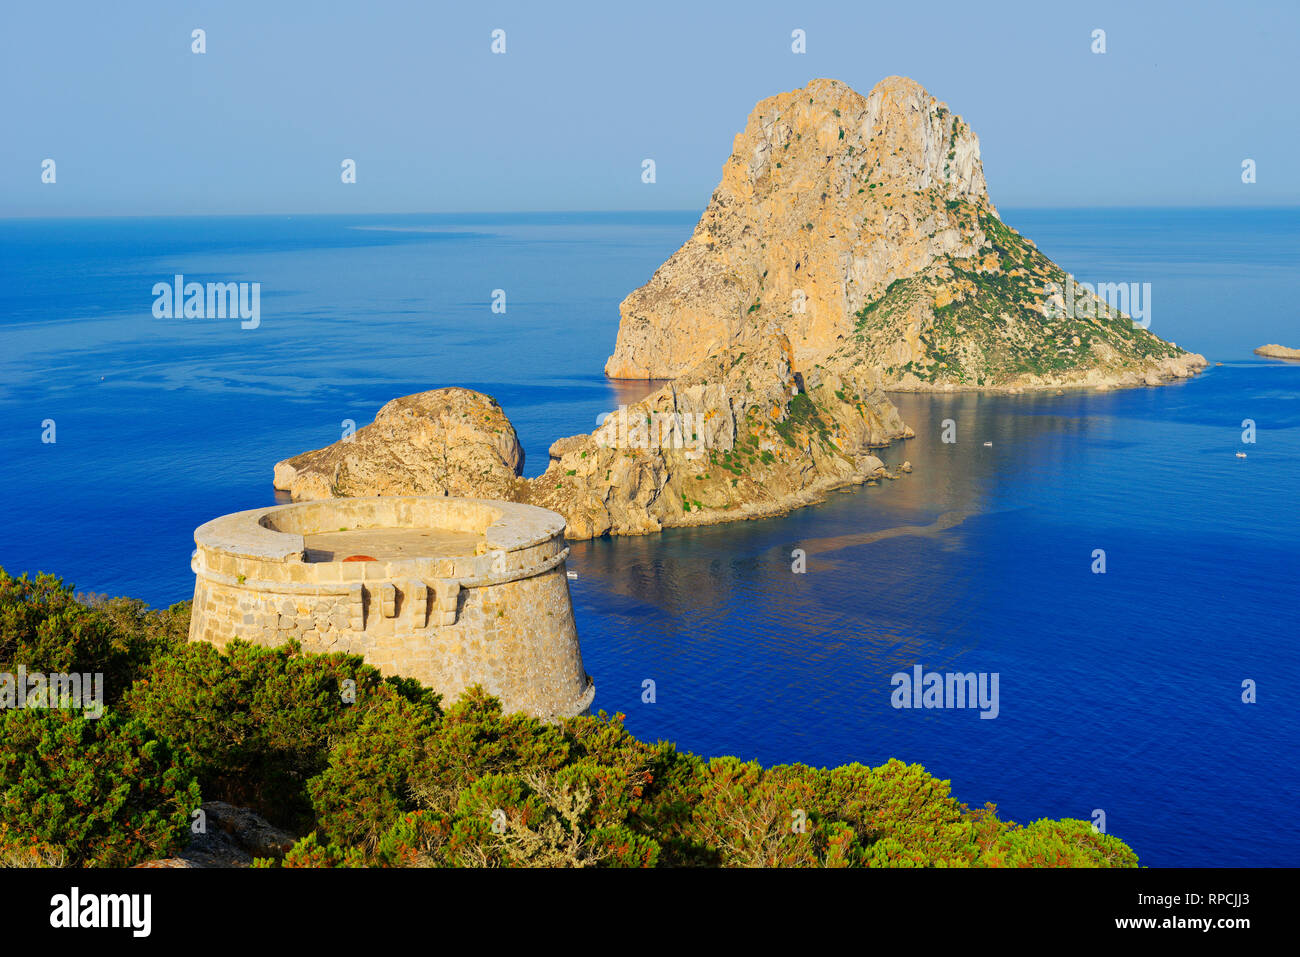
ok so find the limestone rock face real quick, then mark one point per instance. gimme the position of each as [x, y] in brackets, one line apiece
[444, 442]
[739, 435]
[828, 196]
[862, 229]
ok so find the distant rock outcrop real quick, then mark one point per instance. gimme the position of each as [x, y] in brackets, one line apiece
[1278, 352]
[861, 227]
[445, 442]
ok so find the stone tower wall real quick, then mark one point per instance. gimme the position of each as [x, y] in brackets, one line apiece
[501, 618]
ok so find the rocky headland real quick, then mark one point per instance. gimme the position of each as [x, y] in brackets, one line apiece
[851, 249]
[742, 434]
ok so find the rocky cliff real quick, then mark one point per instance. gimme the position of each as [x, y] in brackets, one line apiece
[862, 228]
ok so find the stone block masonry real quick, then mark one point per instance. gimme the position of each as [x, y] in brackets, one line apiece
[449, 591]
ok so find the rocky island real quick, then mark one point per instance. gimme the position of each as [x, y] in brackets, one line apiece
[862, 227]
[1274, 351]
[850, 249]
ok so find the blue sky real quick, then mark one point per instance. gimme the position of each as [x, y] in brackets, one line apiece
[140, 125]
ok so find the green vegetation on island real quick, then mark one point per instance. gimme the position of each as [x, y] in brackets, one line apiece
[984, 321]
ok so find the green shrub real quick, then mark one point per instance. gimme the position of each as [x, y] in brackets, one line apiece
[309, 852]
[46, 628]
[104, 792]
[1065, 843]
[372, 770]
[258, 721]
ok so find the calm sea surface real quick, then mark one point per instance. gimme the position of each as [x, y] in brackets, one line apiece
[1119, 692]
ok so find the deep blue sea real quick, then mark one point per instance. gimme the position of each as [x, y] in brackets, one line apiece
[1118, 692]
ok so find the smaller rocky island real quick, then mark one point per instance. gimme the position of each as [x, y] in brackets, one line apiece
[1275, 351]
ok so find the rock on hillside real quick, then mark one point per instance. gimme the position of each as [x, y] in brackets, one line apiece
[830, 205]
[233, 837]
[443, 442]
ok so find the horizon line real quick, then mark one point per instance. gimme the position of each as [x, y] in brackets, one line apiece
[585, 212]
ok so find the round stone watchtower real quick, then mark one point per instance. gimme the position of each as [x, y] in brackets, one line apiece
[449, 591]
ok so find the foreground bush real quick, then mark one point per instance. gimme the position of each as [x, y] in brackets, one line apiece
[258, 722]
[101, 793]
[375, 773]
[488, 789]
[46, 628]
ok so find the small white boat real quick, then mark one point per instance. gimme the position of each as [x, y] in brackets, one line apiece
[573, 574]
[1241, 455]
[988, 444]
